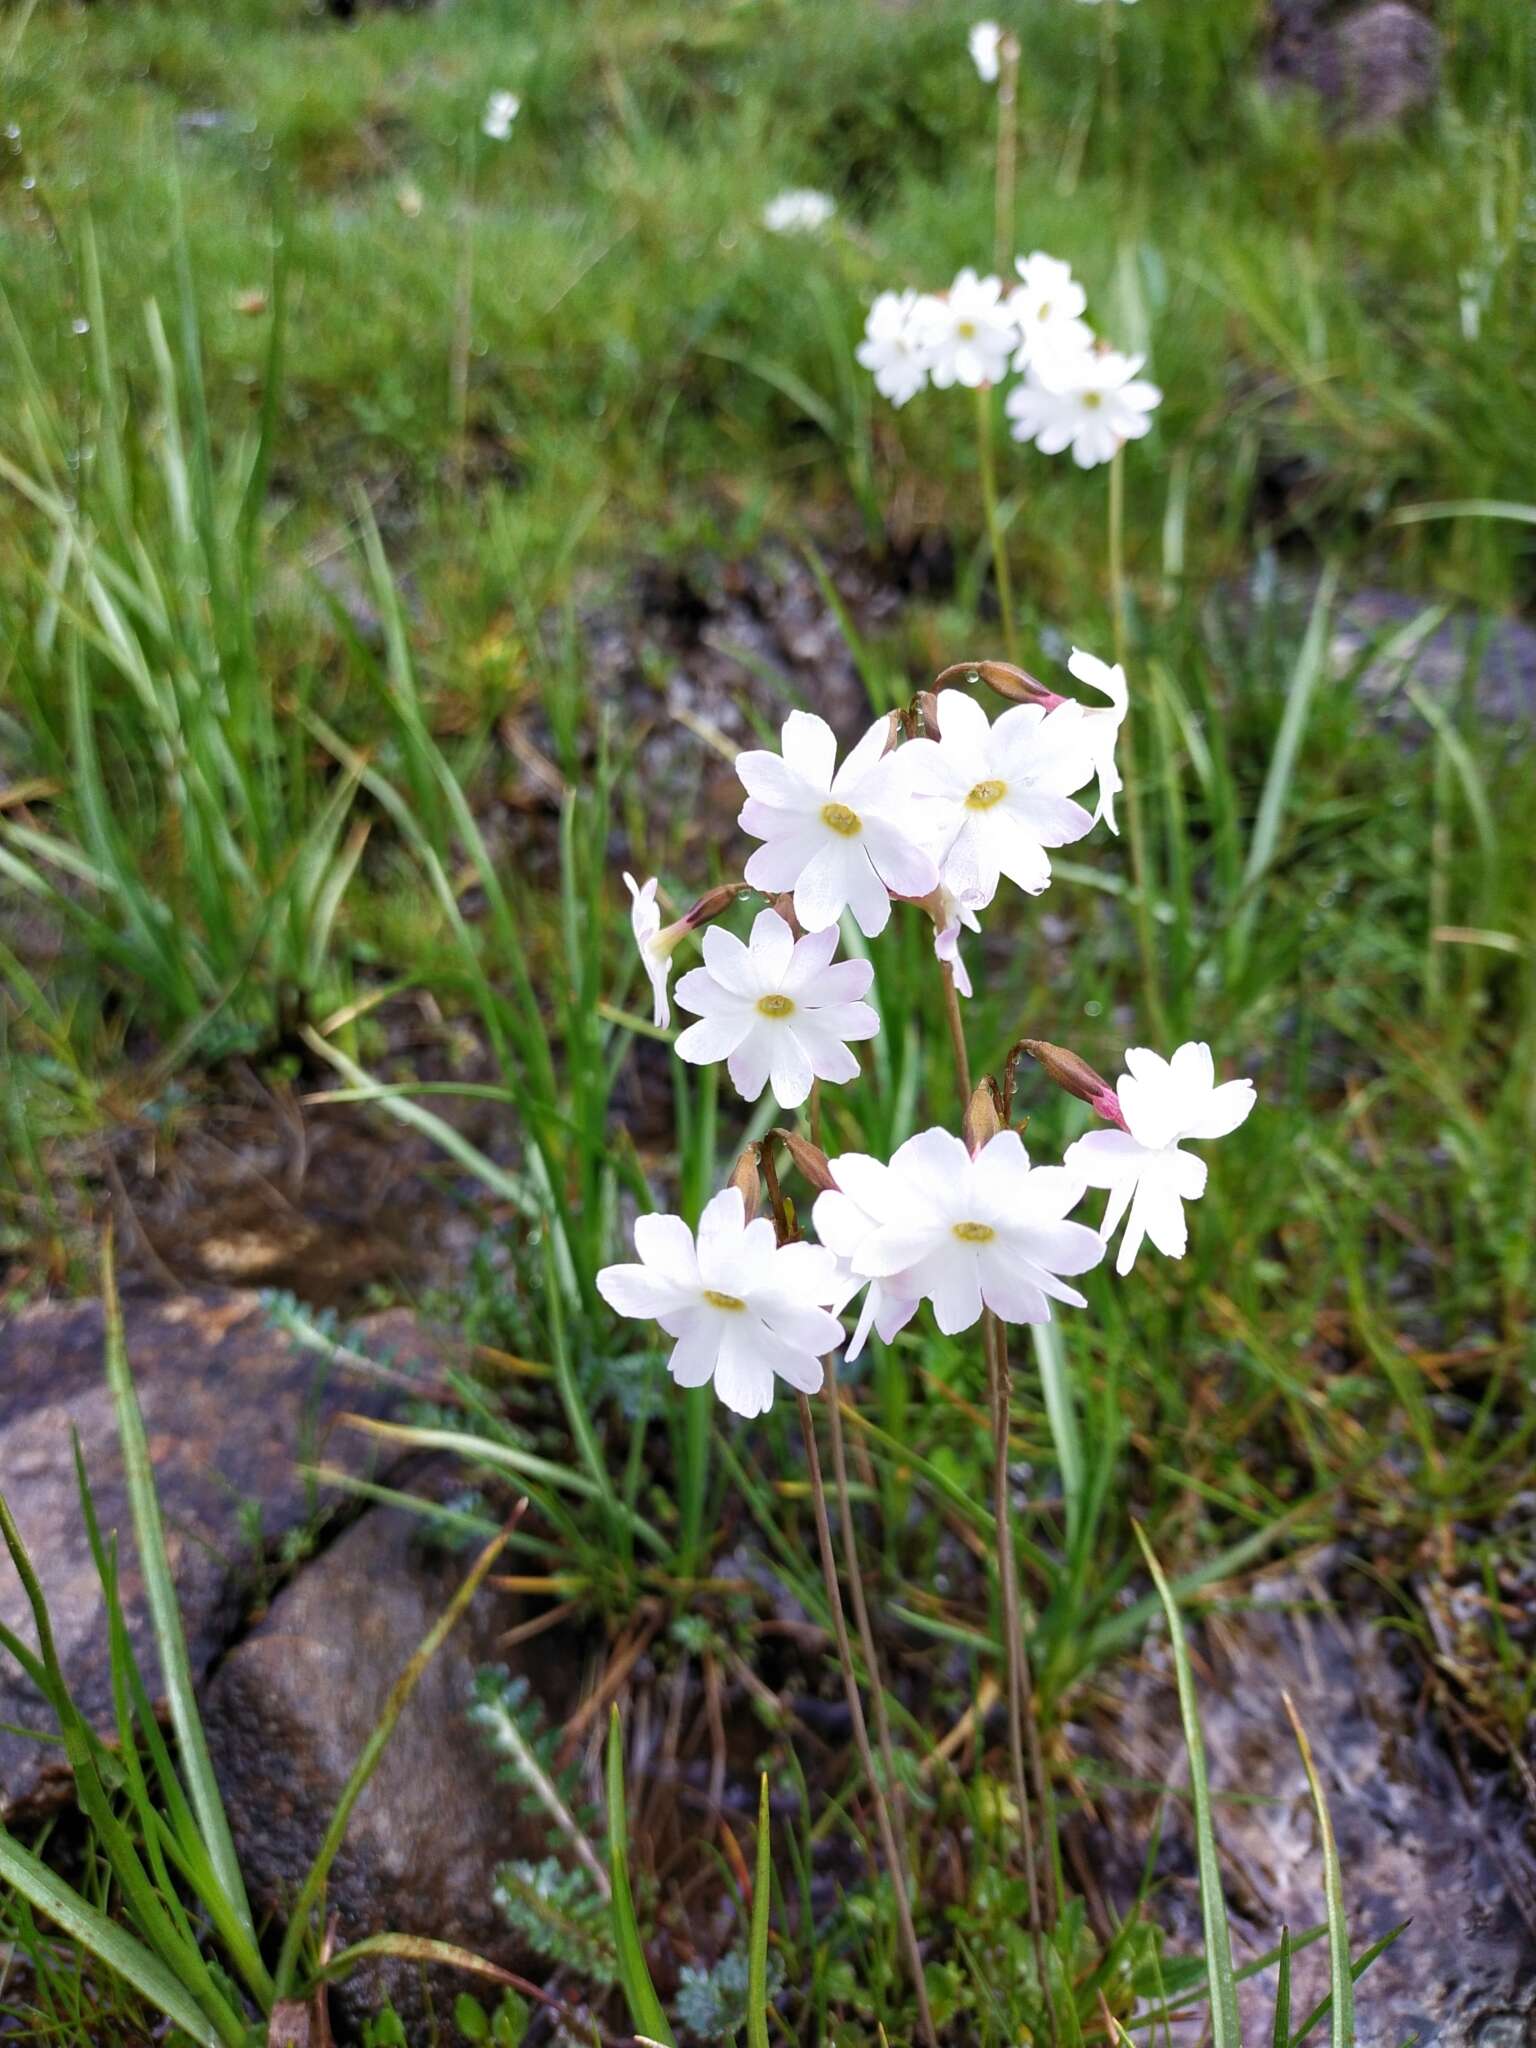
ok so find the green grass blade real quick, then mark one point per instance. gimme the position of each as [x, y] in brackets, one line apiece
[757, 1941]
[1282, 2028]
[165, 1615]
[1340, 1979]
[105, 1940]
[1056, 1386]
[634, 1975]
[363, 1769]
[1356, 1971]
[1225, 2028]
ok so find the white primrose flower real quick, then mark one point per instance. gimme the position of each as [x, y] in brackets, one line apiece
[985, 44]
[800, 212]
[656, 946]
[776, 1010]
[958, 910]
[1089, 400]
[501, 110]
[1001, 793]
[1047, 305]
[842, 1224]
[966, 1232]
[1161, 1101]
[968, 334]
[742, 1308]
[893, 348]
[1102, 723]
[841, 838]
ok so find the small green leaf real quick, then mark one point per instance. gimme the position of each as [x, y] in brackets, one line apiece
[634, 1974]
[1341, 1980]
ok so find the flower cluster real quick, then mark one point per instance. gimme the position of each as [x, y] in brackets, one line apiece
[1075, 391]
[937, 809]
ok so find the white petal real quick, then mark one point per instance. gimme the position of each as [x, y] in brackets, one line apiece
[744, 1368]
[951, 1279]
[809, 962]
[665, 1243]
[729, 961]
[1106, 1159]
[699, 992]
[637, 1291]
[692, 1363]
[749, 1063]
[821, 893]
[779, 862]
[867, 897]
[824, 1052]
[810, 748]
[1223, 1110]
[790, 1073]
[903, 866]
[862, 762]
[771, 780]
[772, 948]
[713, 1038]
[845, 981]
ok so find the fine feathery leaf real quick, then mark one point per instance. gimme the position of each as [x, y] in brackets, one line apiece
[634, 1973]
[1225, 2031]
[757, 1943]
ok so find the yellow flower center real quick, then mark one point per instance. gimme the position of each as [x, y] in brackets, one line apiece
[966, 329]
[974, 1233]
[729, 1301]
[985, 795]
[838, 818]
[775, 1006]
[1092, 400]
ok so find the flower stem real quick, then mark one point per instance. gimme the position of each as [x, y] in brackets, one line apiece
[986, 463]
[956, 1034]
[1007, 151]
[860, 1730]
[1134, 823]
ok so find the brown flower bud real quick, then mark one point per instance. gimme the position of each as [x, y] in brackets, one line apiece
[744, 1175]
[1014, 683]
[713, 903]
[810, 1159]
[1070, 1071]
[983, 1116]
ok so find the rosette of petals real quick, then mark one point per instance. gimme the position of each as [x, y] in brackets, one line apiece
[968, 335]
[1047, 306]
[1162, 1102]
[744, 1310]
[1089, 400]
[999, 794]
[894, 349]
[840, 838]
[969, 1231]
[777, 1010]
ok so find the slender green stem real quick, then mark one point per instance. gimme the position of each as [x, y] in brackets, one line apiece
[956, 1025]
[1007, 151]
[1135, 824]
[987, 465]
[860, 1730]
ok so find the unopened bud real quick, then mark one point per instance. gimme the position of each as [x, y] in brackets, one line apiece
[1072, 1072]
[810, 1159]
[713, 903]
[983, 1117]
[1017, 684]
[785, 906]
[745, 1176]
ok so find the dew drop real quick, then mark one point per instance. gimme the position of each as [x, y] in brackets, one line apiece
[79, 326]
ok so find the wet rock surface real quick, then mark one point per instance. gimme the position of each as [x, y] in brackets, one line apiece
[1374, 64]
[231, 1407]
[1422, 1837]
[290, 1710]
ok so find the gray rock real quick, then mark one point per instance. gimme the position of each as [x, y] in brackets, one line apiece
[1375, 64]
[231, 1406]
[288, 1714]
[1416, 1842]
[1496, 659]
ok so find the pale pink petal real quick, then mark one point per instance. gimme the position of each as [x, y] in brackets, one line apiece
[713, 1038]
[810, 748]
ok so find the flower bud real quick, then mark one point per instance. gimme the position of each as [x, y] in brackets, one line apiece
[744, 1175]
[1070, 1071]
[810, 1159]
[1016, 684]
[713, 903]
[983, 1117]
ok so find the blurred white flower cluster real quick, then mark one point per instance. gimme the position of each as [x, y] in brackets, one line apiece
[1074, 391]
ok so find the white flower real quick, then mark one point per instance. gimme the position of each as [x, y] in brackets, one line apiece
[776, 1010]
[968, 335]
[741, 1307]
[1000, 794]
[1162, 1101]
[958, 910]
[984, 43]
[842, 1225]
[798, 212]
[1047, 306]
[1102, 723]
[656, 946]
[1088, 400]
[966, 1232]
[893, 348]
[840, 840]
[501, 110]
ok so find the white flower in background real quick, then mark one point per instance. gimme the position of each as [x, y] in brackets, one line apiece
[966, 1232]
[841, 840]
[968, 335]
[1095, 3]
[958, 910]
[656, 946]
[842, 1224]
[1162, 1101]
[742, 1308]
[1089, 400]
[1102, 723]
[776, 1010]
[985, 43]
[893, 348]
[798, 213]
[1000, 794]
[1047, 306]
[501, 110]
